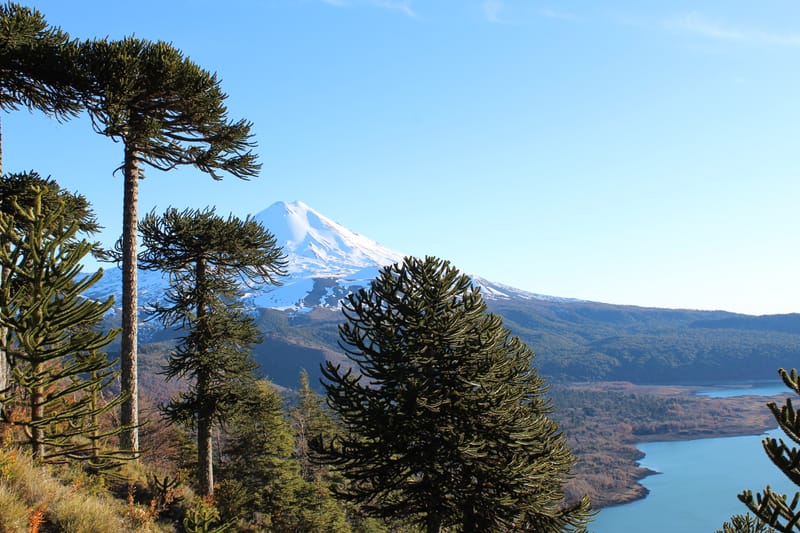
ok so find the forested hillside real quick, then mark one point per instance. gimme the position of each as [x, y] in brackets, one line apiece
[579, 341]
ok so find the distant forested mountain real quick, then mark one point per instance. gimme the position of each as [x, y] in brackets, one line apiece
[580, 341]
[574, 340]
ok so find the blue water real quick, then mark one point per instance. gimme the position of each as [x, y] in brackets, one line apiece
[767, 389]
[696, 491]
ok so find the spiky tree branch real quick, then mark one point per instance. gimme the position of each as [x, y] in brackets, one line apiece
[207, 257]
[445, 420]
[778, 510]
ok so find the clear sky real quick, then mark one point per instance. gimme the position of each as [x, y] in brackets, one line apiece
[622, 151]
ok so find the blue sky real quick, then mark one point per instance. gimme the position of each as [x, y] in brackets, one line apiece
[622, 151]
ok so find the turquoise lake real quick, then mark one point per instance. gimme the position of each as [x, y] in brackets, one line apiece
[699, 480]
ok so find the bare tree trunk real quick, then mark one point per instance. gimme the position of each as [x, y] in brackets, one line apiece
[37, 414]
[129, 439]
[205, 454]
[5, 380]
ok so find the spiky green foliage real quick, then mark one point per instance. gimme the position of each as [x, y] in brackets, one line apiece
[203, 517]
[264, 487]
[776, 509]
[167, 112]
[207, 259]
[445, 418]
[37, 72]
[58, 368]
[36, 63]
[745, 524]
[26, 187]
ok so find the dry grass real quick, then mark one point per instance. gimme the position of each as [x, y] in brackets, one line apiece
[33, 499]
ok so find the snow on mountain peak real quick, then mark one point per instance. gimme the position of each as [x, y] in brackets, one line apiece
[319, 246]
[326, 261]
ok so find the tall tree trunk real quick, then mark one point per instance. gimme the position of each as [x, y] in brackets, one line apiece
[434, 523]
[5, 380]
[205, 452]
[433, 520]
[129, 439]
[37, 414]
[468, 525]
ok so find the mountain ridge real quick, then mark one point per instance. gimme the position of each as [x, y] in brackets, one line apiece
[326, 261]
[575, 340]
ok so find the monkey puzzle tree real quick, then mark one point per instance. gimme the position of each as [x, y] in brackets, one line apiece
[25, 188]
[36, 72]
[167, 112]
[207, 259]
[445, 420]
[37, 69]
[770, 507]
[52, 337]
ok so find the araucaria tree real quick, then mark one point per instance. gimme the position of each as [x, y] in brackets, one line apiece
[52, 338]
[37, 68]
[769, 506]
[167, 112]
[208, 258]
[745, 524]
[445, 419]
[36, 72]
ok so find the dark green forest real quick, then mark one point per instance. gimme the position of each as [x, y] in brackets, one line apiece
[580, 341]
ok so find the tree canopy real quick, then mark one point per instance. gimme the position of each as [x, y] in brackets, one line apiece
[445, 420]
[207, 258]
[164, 108]
[167, 112]
[36, 63]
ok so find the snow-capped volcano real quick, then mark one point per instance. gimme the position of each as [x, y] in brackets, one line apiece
[326, 261]
[319, 247]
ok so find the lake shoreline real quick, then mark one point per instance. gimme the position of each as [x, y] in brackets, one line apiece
[606, 422]
[698, 488]
[640, 492]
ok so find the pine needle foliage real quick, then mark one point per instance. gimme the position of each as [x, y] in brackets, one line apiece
[445, 421]
[52, 340]
[207, 259]
[259, 464]
[773, 508]
[310, 419]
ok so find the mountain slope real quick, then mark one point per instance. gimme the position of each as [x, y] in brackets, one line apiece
[326, 261]
[573, 339]
[319, 247]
